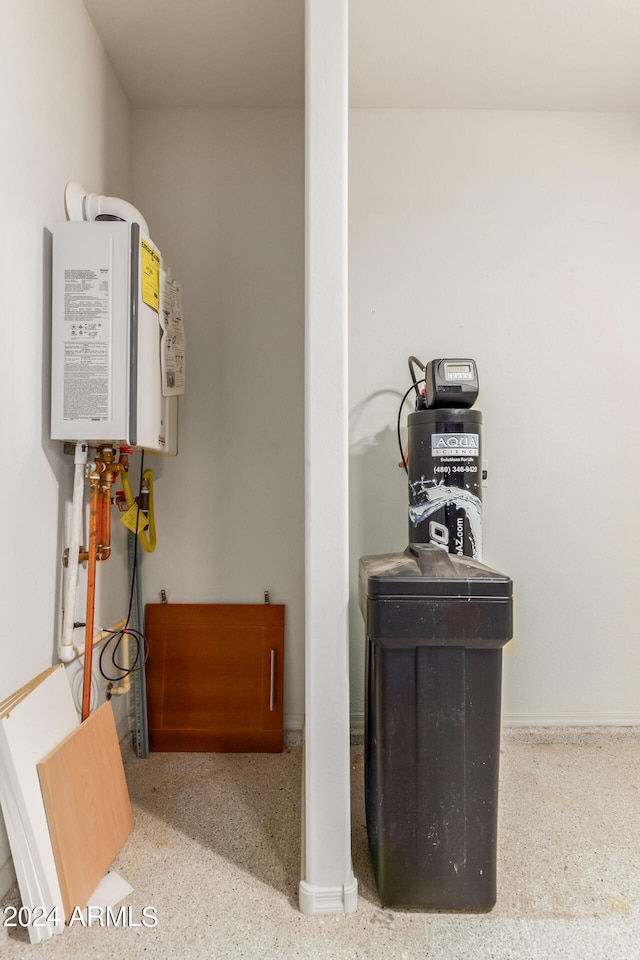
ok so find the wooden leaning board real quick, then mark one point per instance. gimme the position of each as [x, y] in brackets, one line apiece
[215, 677]
[87, 803]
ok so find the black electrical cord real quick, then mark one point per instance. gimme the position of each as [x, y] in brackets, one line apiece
[414, 386]
[135, 550]
[113, 644]
[413, 361]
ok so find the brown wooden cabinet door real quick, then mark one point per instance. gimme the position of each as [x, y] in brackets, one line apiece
[215, 676]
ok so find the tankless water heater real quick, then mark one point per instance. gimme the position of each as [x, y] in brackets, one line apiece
[106, 382]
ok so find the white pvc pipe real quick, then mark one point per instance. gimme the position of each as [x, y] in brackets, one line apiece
[66, 650]
[81, 205]
[95, 205]
[125, 684]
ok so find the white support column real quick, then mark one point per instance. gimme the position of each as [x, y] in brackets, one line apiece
[327, 883]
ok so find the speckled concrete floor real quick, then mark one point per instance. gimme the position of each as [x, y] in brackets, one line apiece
[216, 852]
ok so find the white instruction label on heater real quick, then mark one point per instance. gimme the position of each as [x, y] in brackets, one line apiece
[87, 354]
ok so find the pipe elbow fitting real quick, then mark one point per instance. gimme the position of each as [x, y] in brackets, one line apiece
[66, 652]
[96, 206]
[81, 205]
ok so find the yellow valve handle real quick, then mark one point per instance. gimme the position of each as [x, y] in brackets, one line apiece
[147, 538]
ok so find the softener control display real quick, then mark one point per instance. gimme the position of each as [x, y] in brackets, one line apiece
[451, 383]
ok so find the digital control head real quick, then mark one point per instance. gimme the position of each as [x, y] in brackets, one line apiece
[451, 383]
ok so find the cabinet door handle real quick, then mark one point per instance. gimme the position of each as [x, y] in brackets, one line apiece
[272, 682]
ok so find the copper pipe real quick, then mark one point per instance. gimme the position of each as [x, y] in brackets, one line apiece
[103, 543]
[106, 458]
[100, 541]
[105, 520]
[94, 521]
[100, 536]
[110, 473]
[103, 475]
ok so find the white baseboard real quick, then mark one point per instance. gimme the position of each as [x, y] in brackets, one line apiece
[293, 721]
[571, 719]
[315, 900]
[549, 720]
[7, 876]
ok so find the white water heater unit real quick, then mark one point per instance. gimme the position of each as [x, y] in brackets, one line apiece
[109, 383]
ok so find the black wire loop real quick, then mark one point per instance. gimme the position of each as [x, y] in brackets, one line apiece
[414, 386]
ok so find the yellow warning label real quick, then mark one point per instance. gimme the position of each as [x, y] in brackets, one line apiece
[150, 269]
[134, 519]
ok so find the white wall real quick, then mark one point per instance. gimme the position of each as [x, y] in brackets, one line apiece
[513, 238]
[64, 116]
[223, 193]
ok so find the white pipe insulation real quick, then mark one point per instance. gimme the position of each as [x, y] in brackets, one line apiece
[66, 650]
[81, 205]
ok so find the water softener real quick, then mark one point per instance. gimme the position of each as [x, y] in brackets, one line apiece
[436, 619]
[444, 461]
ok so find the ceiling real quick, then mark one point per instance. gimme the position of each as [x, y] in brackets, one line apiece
[458, 54]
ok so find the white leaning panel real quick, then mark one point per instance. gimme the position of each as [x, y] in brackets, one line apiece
[28, 733]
